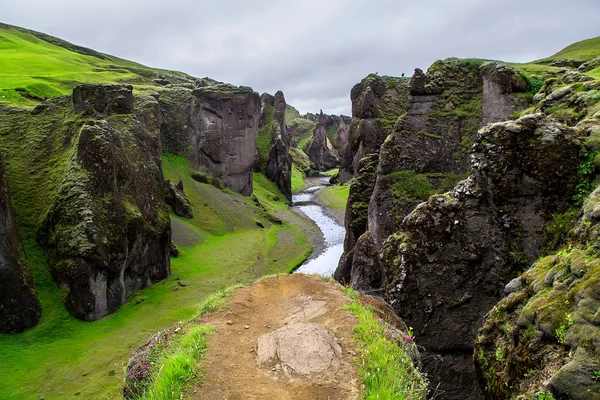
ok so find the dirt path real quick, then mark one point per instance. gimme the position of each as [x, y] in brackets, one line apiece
[231, 368]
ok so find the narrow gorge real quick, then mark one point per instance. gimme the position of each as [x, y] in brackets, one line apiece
[156, 223]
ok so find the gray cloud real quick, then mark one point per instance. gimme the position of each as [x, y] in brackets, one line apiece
[313, 50]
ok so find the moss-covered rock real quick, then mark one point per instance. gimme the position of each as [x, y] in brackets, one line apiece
[19, 305]
[547, 328]
[448, 266]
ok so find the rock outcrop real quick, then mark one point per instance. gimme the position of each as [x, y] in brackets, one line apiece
[178, 200]
[107, 231]
[19, 305]
[279, 163]
[321, 153]
[454, 254]
[427, 151]
[216, 126]
[542, 339]
[377, 102]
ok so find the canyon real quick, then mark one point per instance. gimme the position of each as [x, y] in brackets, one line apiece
[472, 211]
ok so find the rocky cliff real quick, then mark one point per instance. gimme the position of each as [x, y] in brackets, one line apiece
[274, 141]
[377, 102]
[215, 125]
[107, 227]
[19, 306]
[426, 153]
[453, 255]
[431, 124]
[542, 339]
[321, 152]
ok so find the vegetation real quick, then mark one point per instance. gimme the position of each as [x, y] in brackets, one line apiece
[298, 182]
[170, 358]
[334, 196]
[32, 69]
[386, 370]
[584, 50]
[265, 135]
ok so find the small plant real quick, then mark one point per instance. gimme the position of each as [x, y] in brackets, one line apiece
[545, 396]
[561, 331]
[596, 376]
[499, 354]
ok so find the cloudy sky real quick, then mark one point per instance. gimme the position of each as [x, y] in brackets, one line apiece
[313, 50]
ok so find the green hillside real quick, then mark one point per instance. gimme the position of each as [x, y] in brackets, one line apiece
[34, 66]
[584, 50]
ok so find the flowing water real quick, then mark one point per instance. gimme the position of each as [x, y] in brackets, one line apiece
[325, 262]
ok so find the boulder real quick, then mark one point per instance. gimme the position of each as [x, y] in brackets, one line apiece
[178, 200]
[299, 350]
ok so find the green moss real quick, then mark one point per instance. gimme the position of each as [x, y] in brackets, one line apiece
[265, 136]
[410, 186]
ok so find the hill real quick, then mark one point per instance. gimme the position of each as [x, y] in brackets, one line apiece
[35, 66]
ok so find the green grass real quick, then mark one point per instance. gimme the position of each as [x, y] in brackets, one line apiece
[386, 370]
[297, 180]
[334, 196]
[584, 50]
[32, 69]
[331, 172]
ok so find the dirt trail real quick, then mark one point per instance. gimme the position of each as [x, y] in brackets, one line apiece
[231, 369]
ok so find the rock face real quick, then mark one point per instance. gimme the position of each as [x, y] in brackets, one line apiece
[454, 254]
[377, 102]
[19, 306]
[279, 163]
[107, 231]
[216, 127]
[428, 147]
[301, 349]
[321, 153]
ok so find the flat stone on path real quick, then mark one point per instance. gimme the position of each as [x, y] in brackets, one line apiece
[299, 349]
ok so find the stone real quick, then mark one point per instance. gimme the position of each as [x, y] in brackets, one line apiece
[178, 200]
[183, 283]
[299, 350]
[103, 100]
[513, 286]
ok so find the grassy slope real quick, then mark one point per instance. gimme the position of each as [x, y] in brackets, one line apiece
[32, 69]
[335, 196]
[232, 250]
[584, 50]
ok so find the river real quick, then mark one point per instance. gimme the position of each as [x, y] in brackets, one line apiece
[325, 261]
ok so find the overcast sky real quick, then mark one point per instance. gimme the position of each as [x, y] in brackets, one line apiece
[313, 50]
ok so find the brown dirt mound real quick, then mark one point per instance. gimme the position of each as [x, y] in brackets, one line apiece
[231, 368]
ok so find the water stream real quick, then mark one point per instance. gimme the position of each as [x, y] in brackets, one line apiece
[326, 261]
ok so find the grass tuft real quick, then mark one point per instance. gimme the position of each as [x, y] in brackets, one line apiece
[386, 370]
